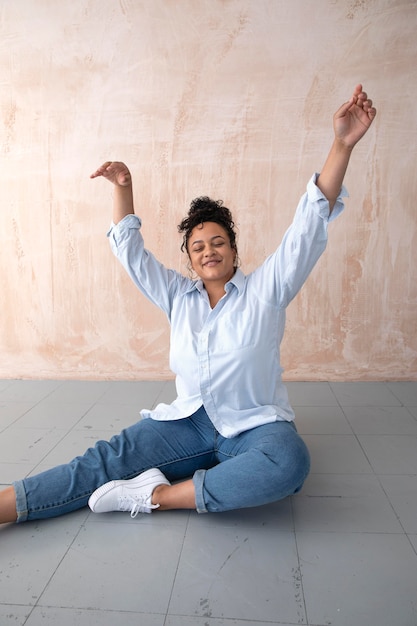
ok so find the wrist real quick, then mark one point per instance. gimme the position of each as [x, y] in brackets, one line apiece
[341, 147]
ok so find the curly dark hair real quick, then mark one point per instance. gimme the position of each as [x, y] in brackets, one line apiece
[205, 209]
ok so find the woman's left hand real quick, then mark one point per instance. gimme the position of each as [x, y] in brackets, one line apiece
[352, 119]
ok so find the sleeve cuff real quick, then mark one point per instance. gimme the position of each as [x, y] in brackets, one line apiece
[320, 202]
[118, 232]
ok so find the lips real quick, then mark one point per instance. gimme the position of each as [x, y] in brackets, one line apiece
[211, 263]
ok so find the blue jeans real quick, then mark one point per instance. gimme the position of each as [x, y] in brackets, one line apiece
[256, 467]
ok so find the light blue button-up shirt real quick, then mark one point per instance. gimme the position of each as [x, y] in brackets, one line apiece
[228, 358]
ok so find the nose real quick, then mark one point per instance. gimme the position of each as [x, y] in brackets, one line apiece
[209, 251]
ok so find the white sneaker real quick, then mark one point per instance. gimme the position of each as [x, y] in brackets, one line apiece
[134, 495]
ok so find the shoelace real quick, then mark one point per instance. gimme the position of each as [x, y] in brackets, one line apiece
[136, 505]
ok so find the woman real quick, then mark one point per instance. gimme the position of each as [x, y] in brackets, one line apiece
[228, 440]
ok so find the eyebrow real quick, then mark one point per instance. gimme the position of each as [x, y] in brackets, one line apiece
[211, 239]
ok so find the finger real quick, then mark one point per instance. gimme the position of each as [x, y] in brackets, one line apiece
[101, 170]
[369, 109]
[341, 111]
[125, 178]
[357, 90]
[361, 99]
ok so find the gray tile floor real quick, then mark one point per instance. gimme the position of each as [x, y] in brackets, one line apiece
[343, 552]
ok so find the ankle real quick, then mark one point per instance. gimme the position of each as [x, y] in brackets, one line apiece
[8, 511]
[158, 493]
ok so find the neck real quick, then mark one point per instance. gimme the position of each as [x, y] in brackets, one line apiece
[215, 294]
[216, 290]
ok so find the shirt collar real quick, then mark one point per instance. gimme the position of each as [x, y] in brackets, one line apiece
[238, 280]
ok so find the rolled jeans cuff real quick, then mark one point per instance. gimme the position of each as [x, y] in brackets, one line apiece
[198, 480]
[21, 501]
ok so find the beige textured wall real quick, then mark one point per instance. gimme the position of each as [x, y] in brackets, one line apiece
[228, 98]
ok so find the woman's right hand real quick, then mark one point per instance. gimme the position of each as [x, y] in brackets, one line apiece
[115, 172]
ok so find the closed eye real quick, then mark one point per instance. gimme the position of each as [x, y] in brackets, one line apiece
[217, 241]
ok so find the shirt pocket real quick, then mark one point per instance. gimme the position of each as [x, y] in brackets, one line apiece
[235, 332]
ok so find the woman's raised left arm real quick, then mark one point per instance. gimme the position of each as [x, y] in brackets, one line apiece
[350, 122]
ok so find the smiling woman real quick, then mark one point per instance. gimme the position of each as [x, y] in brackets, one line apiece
[228, 440]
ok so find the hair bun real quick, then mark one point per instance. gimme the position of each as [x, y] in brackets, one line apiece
[205, 204]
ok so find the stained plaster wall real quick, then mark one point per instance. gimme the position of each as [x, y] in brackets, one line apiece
[231, 99]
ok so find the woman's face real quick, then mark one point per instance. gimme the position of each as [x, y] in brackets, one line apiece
[211, 255]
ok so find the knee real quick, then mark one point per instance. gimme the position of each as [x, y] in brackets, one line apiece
[299, 467]
[290, 465]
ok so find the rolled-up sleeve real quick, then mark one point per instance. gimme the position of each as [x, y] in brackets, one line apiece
[319, 202]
